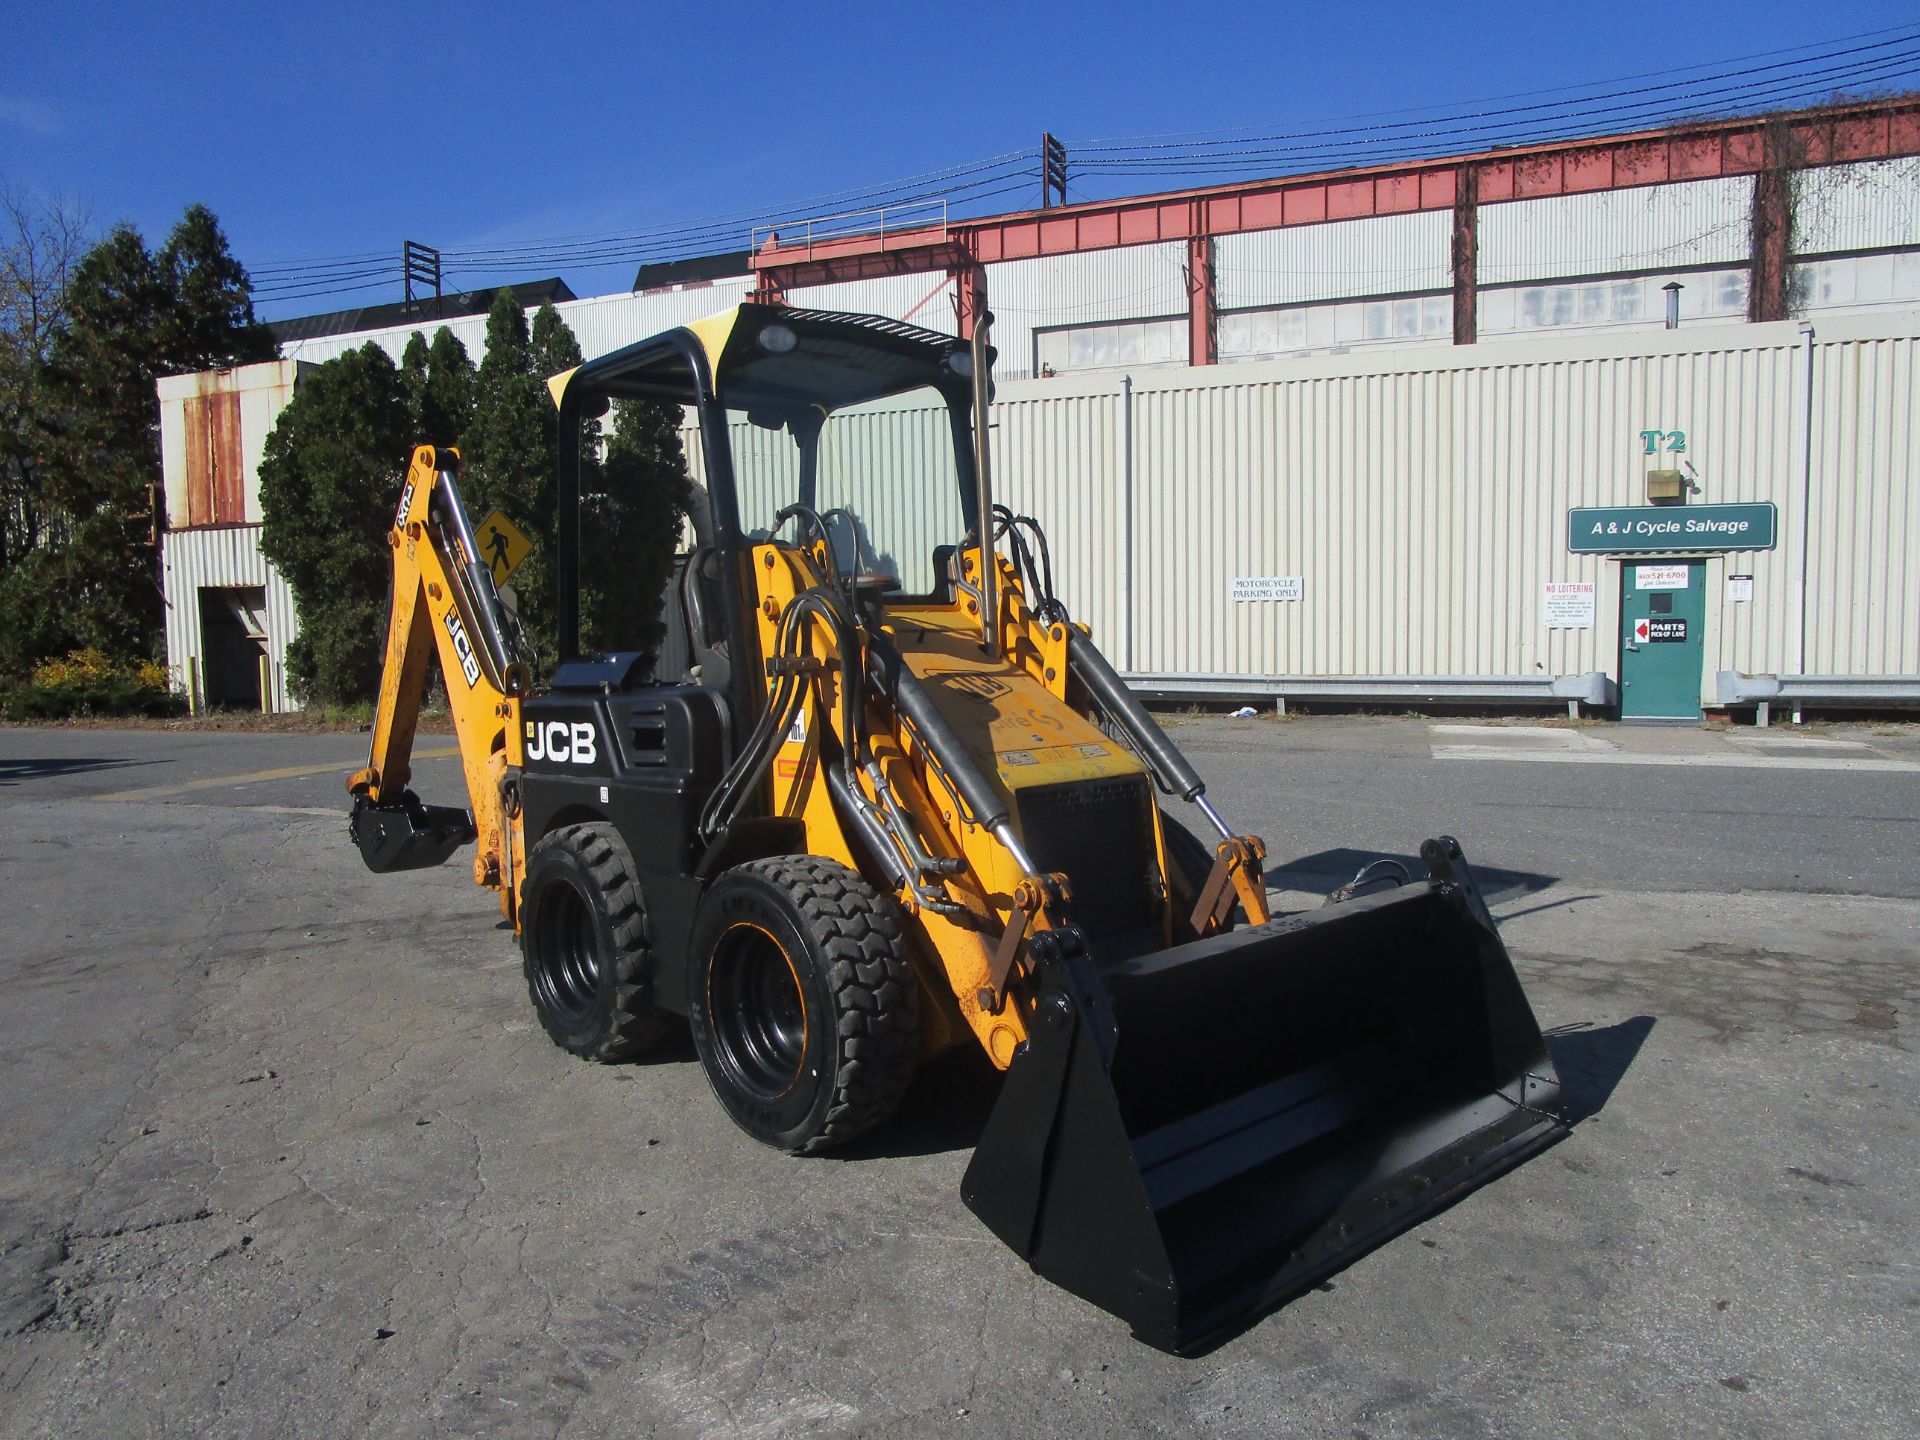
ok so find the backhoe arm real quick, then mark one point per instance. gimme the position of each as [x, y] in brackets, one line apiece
[444, 603]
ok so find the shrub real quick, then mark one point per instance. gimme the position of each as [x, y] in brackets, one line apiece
[90, 682]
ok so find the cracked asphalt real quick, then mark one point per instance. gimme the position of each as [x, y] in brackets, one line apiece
[285, 1152]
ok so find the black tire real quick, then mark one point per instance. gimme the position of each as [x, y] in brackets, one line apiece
[583, 945]
[804, 1008]
[1190, 861]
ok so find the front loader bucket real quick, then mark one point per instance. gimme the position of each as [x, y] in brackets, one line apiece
[1195, 1136]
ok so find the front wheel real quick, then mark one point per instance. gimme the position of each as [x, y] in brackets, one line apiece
[804, 1008]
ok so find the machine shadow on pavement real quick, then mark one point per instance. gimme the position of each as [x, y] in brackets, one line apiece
[1592, 1062]
[13, 771]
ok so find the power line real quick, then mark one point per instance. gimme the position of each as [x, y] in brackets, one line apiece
[1909, 32]
[1878, 57]
[1754, 92]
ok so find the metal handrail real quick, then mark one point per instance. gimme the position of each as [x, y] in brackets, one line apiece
[816, 228]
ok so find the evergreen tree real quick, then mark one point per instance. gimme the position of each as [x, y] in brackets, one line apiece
[413, 379]
[510, 460]
[439, 382]
[329, 479]
[446, 406]
[209, 319]
[630, 527]
[91, 580]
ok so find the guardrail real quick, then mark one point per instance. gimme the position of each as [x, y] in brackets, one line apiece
[804, 234]
[1837, 692]
[1592, 689]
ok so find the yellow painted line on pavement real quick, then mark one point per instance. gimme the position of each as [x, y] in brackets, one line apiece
[289, 772]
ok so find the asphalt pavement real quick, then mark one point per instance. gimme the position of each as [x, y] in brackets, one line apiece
[287, 1153]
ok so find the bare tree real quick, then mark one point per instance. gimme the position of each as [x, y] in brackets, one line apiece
[40, 243]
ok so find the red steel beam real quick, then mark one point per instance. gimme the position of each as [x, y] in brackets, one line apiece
[1870, 130]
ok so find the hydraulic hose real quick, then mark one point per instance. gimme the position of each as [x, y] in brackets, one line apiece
[1171, 770]
[899, 685]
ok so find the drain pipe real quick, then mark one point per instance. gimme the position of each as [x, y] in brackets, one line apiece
[983, 481]
[1126, 523]
[1806, 512]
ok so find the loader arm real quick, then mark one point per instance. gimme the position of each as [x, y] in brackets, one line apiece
[443, 603]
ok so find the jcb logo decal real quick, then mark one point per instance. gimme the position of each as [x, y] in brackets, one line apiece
[463, 647]
[566, 742]
[406, 499]
[971, 682]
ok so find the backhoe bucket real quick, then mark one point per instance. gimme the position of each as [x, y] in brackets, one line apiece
[1195, 1136]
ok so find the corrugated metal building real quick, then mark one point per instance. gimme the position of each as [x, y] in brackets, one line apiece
[1380, 394]
[229, 614]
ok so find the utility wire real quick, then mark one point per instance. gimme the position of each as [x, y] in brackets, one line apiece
[1874, 57]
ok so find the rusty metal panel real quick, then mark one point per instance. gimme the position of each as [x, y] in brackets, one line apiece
[1701, 222]
[1388, 255]
[216, 479]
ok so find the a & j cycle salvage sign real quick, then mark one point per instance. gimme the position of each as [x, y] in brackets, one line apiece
[1642, 529]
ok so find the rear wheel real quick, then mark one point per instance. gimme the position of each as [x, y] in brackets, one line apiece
[583, 943]
[804, 1009]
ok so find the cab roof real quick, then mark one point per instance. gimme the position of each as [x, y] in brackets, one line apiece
[830, 360]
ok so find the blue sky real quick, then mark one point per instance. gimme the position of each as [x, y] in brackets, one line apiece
[342, 130]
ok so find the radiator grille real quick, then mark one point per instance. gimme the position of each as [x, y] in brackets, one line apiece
[1099, 833]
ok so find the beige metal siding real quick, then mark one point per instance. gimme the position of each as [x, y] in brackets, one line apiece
[1863, 206]
[1385, 255]
[1697, 222]
[1135, 282]
[1423, 497]
[1057, 456]
[1423, 500]
[924, 299]
[601, 323]
[1864, 560]
[606, 323]
[192, 560]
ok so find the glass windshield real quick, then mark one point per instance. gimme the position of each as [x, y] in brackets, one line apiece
[884, 475]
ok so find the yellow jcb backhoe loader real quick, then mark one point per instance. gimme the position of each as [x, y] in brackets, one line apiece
[879, 794]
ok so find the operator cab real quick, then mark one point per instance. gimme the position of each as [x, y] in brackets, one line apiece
[804, 418]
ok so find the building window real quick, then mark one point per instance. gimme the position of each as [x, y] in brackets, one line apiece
[1295, 329]
[1615, 303]
[1135, 343]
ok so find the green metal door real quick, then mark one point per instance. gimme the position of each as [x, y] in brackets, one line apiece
[1663, 607]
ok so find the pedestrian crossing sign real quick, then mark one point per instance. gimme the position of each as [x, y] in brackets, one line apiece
[502, 546]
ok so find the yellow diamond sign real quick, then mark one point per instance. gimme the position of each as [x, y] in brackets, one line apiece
[502, 546]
